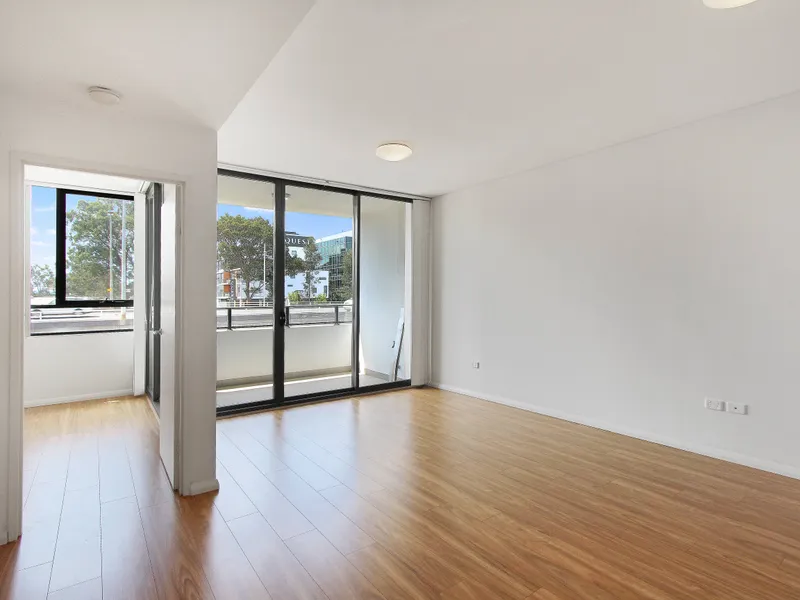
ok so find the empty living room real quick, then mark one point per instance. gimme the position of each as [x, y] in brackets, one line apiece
[400, 300]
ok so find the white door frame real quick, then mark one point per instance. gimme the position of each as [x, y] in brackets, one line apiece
[18, 297]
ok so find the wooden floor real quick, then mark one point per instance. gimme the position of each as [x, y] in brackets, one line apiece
[414, 494]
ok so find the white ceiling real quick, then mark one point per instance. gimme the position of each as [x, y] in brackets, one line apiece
[182, 60]
[486, 88]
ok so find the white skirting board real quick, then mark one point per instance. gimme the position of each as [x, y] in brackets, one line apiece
[732, 457]
[66, 399]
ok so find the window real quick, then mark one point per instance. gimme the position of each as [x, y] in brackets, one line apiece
[82, 258]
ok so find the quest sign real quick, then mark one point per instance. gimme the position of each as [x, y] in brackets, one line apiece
[292, 239]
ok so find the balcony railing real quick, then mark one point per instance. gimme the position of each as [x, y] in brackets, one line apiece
[262, 315]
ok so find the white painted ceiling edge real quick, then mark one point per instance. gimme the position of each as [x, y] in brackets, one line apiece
[482, 90]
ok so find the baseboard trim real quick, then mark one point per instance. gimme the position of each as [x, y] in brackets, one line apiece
[80, 397]
[732, 457]
[201, 487]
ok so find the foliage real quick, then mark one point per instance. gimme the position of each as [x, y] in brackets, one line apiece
[347, 270]
[243, 245]
[43, 280]
[295, 297]
[92, 226]
[344, 291]
[311, 264]
[321, 298]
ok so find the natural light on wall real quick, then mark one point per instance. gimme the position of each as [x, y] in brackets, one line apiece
[726, 3]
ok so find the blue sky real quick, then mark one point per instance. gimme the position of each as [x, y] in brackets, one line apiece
[301, 223]
[43, 226]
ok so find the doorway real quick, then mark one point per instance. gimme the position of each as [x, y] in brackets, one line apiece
[313, 292]
[98, 261]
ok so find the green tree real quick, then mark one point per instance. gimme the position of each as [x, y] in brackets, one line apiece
[245, 245]
[321, 298]
[93, 227]
[43, 281]
[311, 263]
[295, 297]
[344, 290]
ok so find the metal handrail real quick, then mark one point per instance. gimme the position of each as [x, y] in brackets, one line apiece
[337, 319]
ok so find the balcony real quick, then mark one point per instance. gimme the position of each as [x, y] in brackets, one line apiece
[317, 351]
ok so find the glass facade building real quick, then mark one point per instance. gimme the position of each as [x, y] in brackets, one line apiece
[334, 250]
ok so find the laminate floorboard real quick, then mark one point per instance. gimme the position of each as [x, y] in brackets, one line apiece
[409, 495]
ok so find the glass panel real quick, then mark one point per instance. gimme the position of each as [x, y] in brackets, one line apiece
[245, 221]
[383, 347]
[43, 246]
[319, 290]
[80, 320]
[99, 248]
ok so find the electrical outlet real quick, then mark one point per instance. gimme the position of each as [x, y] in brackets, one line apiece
[476, 365]
[739, 409]
[714, 404]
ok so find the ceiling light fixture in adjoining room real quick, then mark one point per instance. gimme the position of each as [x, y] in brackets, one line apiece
[726, 3]
[104, 95]
[393, 151]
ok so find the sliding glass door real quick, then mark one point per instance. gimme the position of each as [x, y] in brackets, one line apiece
[312, 292]
[318, 291]
[384, 283]
[245, 302]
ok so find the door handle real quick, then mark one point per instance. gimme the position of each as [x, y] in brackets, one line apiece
[157, 331]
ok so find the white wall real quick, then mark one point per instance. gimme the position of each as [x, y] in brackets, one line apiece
[654, 273]
[383, 280]
[247, 353]
[64, 368]
[99, 139]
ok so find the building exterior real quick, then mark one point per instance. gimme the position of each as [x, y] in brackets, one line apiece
[334, 249]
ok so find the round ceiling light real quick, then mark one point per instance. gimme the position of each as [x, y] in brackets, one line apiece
[104, 95]
[726, 3]
[393, 151]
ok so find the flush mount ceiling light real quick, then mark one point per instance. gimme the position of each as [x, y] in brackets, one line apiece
[393, 151]
[726, 3]
[104, 95]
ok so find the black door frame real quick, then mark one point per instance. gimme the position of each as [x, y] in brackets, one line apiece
[153, 201]
[279, 302]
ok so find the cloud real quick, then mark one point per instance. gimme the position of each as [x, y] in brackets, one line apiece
[253, 209]
[48, 208]
[34, 231]
[39, 243]
[51, 232]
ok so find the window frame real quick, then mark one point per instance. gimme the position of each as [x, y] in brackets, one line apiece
[61, 300]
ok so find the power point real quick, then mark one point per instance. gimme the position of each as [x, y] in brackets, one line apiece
[739, 409]
[476, 365]
[714, 404]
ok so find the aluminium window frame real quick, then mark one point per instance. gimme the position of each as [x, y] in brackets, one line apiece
[279, 400]
[60, 268]
[61, 300]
